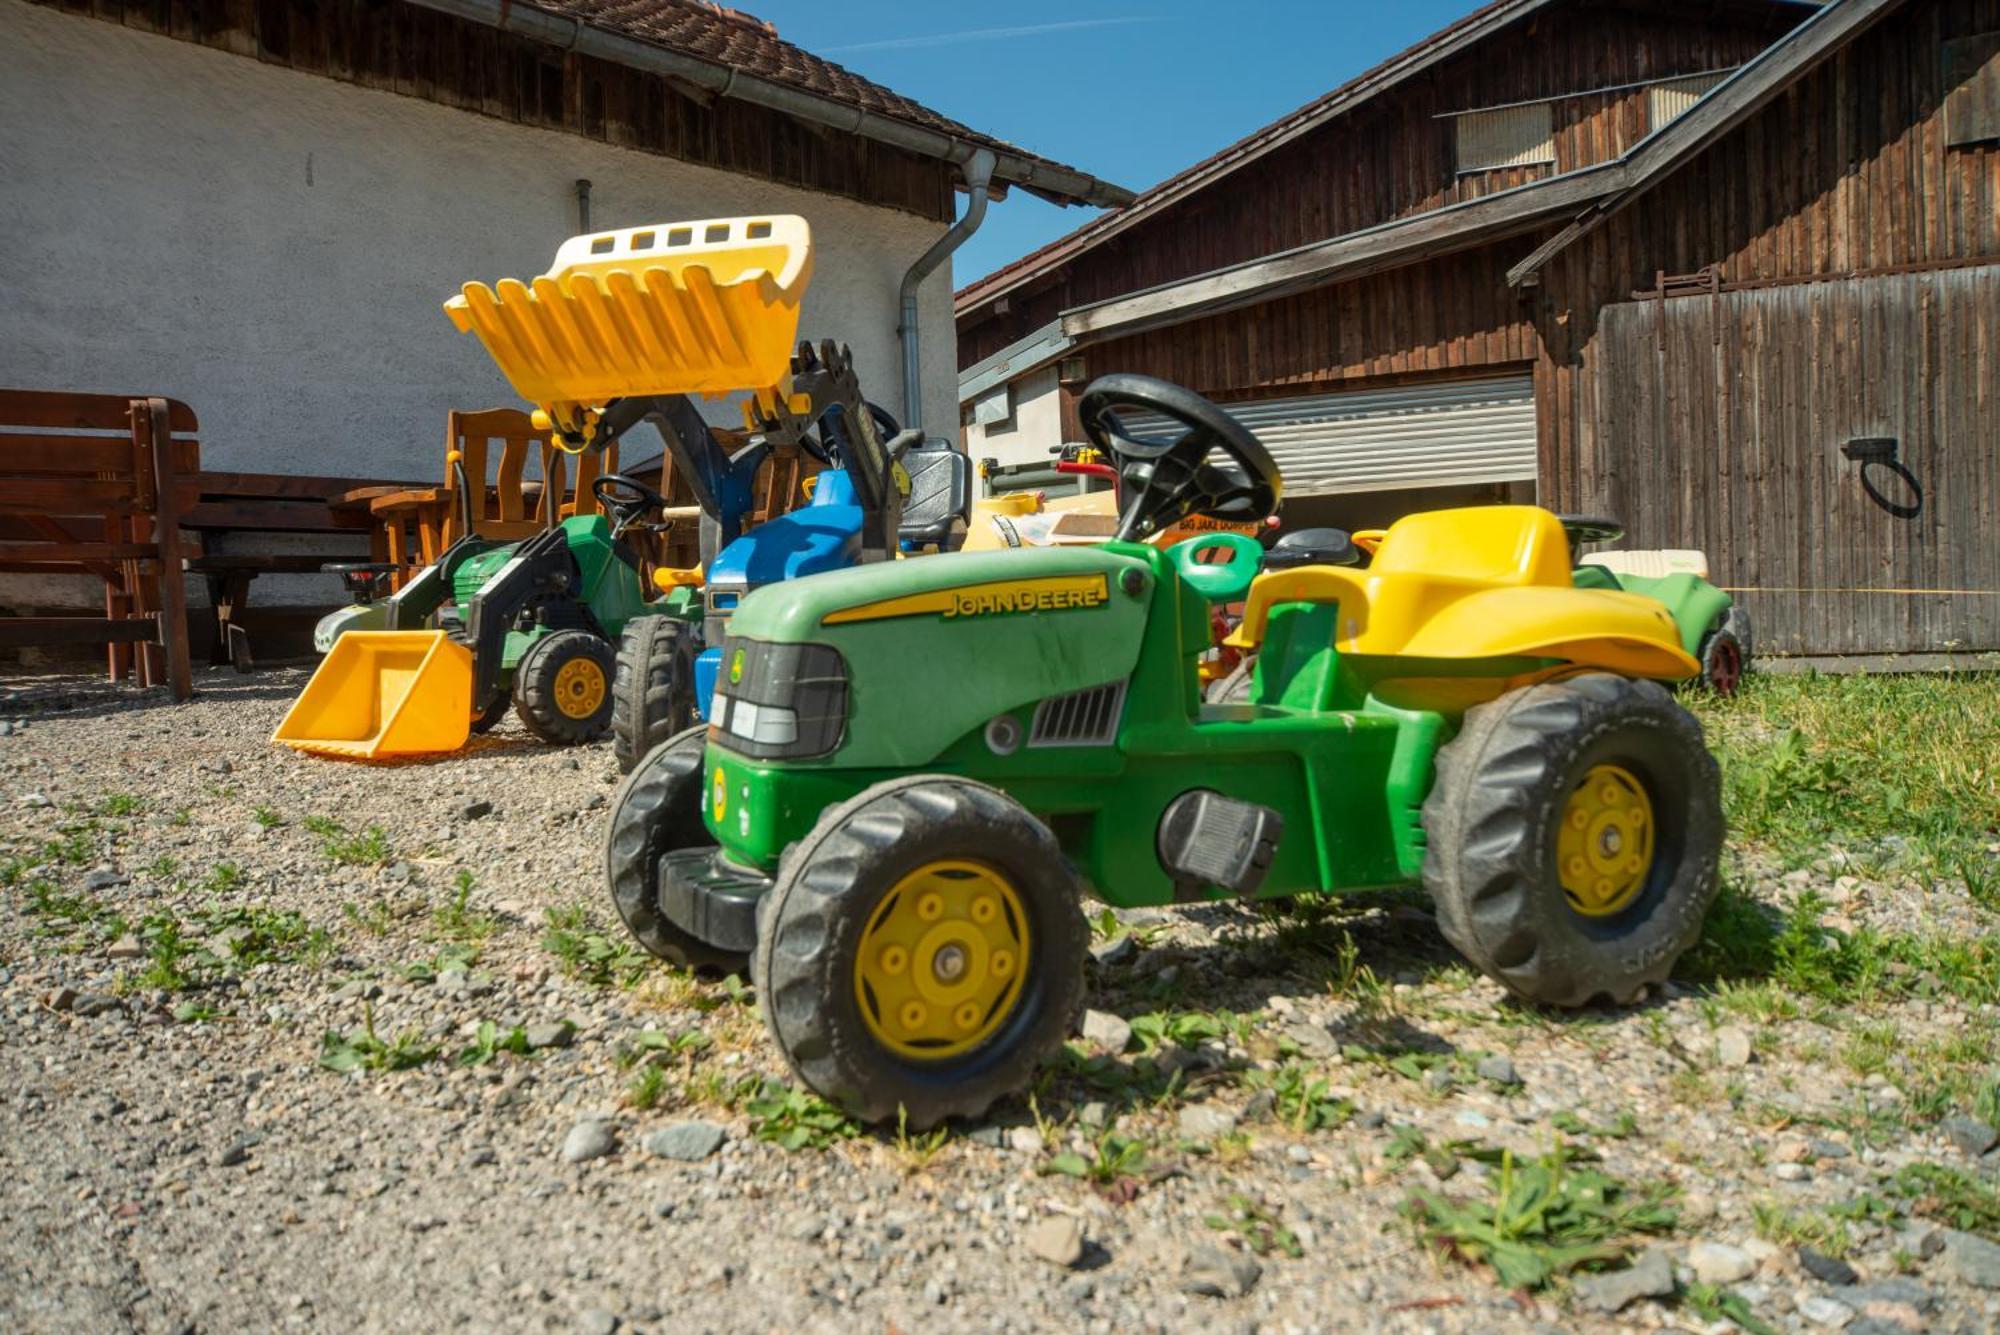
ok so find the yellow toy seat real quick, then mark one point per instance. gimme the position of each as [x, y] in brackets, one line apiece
[706, 307]
[1483, 582]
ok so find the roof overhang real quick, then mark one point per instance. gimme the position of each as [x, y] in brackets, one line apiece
[1586, 196]
[1051, 180]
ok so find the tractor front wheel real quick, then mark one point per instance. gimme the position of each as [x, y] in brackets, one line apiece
[922, 952]
[652, 693]
[1725, 653]
[1573, 838]
[658, 811]
[562, 687]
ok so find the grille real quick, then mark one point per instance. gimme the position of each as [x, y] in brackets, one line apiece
[1081, 718]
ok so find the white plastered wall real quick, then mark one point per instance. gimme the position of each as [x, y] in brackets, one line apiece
[1034, 429]
[274, 247]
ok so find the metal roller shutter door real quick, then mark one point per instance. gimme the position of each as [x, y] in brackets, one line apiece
[1443, 434]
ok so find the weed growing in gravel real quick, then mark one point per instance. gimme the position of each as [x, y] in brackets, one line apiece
[1951, 1196]
[653, 1045]
[1253, 1222]
[64, 915]
[370, 848]
[793, 1119]
[917, 1151]
[1713, 1303]
[489, 1042]
[163, 867]
[364, 1051]
[120, 804]
[1189, 1029]
[267, 817]
[590, 955]
[1109, 1163]
[457, 919]
[74, 847]
[222, 878]
[450, 959]
[1824, 1230]
[647, 1088]
[181, 956]
[1303, 1101]
[377, 917]
[1545, 1217]
[1570, 1123]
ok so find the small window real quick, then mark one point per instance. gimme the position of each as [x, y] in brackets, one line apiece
[1972, 90]
[642, 241]
[1668, 102]
[994, 410]
[603, 245]
[715, 232]
[759, 230]
[1070, 371]
[1504, 137]
[679, 236]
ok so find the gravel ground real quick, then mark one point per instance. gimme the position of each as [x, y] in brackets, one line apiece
[189, 912]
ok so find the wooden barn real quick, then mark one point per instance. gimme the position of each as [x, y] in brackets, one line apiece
[1728, 271]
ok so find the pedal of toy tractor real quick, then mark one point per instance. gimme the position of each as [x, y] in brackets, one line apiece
[1208, 839]
[710, 899]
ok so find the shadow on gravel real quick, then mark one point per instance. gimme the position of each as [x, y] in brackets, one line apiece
[45, 699]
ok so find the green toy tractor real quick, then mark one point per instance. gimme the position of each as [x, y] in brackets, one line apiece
[915, 770]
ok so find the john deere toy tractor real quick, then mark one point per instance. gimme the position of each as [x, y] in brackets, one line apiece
[915, 770]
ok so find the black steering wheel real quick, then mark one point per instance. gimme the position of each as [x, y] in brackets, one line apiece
[833, 432]
[1580, 529]
[627, 498]
[1166, 480]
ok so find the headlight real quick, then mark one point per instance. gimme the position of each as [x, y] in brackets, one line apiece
[779, 701]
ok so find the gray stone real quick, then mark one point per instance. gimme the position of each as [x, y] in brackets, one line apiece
[993, 1137]
[62, 999]
[1055, 1238]
[550, 1034]
[126, 947]
[97, 1003]
[1821, 1148]
[1215, 1273]
[1972, 1259]
[1102, 1029]
[1651, 1276]
[689, 1142]
[34, 800]
[1732, 1046]
[1312, 1040]
[587, 1140]
[1969, 1136]
[1827, 1269]
[104, 878]
[1498, 1069]
[236, 1153]
[1720, 1263]
[1119, 950]
[1093, 1114]
[1792, 1172]
[1821, 1310]
[474, 810]
[1205, 1121]
[1024, 1140]
[597, 1321]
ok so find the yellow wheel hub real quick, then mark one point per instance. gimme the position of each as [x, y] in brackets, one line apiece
[1605, 846]
[942, 960]
[580, 688]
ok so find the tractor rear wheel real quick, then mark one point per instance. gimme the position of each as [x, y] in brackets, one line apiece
[658, 811]
[652, 692]
[1573, 837]
[922, 951]
[1725, 653]
[562, 687]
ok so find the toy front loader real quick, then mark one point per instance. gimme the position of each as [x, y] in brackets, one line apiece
[621, 330]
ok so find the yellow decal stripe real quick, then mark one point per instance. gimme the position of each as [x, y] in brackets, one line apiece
[1055, 593]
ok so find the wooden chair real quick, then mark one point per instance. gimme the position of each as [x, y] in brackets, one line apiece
[97, 484]
[507, 504]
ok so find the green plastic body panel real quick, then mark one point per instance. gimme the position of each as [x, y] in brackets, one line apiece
[1694, 603]
[1346, 772]
[609, 587]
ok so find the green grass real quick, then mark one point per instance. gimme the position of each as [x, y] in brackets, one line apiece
[1951, 1196]
[489, 1041]
[457, 920]
[1543, 1218]
[1901, 771]
[1304, 1102]
[1113, 1158]
[795, 1119]
[223, 878]
[1256, 1224]
[184, 954]
[647, 1088]
[120, 804]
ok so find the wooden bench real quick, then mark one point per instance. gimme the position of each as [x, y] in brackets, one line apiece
[95, 484]
[331, 512]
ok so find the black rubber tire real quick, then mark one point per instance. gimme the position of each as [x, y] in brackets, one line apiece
[1725, 653]
[1490, 824]
[657, 810]
[652, 692]
[827, 888]
[535, 687]
[487, 722]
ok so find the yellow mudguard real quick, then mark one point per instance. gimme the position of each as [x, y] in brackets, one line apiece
[679, 308]
[382, 693]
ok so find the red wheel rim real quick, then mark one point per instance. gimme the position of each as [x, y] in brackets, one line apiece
[1725, 667]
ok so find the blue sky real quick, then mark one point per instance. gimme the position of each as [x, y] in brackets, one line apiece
[1128, 91]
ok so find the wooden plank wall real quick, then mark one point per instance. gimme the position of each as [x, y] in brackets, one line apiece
[1393, 157]
[1731, 412]
[421, 53]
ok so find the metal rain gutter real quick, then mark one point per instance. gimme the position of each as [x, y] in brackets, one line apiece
[574, 35]
[978, 184]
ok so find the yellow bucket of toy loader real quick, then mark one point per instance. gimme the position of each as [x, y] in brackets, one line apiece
[384, 693]
[678, 308]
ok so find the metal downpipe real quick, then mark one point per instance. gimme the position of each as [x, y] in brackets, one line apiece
[978, 172]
